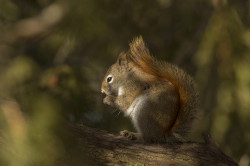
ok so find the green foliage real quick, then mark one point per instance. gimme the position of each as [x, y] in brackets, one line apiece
[53, 55]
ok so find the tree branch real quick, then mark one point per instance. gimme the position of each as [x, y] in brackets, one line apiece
[107, 149]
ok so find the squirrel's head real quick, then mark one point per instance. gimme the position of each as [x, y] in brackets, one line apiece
[122, 72]
[116, 75]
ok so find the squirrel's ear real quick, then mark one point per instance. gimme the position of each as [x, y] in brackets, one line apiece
[122, 59]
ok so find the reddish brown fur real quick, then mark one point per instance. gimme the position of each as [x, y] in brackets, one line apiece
[140, 56]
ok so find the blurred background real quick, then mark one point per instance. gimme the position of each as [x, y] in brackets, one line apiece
[54, 54]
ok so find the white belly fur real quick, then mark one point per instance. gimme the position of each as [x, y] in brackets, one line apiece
[135, 109]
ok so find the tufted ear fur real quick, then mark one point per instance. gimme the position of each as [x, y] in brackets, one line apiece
[122, 59]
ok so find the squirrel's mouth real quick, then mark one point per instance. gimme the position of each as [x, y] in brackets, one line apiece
[108, 93]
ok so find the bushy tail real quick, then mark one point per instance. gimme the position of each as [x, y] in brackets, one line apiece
[188, 96]
[184, 84]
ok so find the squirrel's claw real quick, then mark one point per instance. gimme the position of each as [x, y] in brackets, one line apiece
[129, 135]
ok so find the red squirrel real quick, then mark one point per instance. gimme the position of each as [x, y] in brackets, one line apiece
[160, 98]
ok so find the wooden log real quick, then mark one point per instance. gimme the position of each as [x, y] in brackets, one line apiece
[104, 148]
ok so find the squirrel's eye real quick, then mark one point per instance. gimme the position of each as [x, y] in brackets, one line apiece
[109, 79]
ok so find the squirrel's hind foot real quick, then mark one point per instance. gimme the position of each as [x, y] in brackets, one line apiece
[129, 135]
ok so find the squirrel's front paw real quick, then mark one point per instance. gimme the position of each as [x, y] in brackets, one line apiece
[109, 100]
[128, 134]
